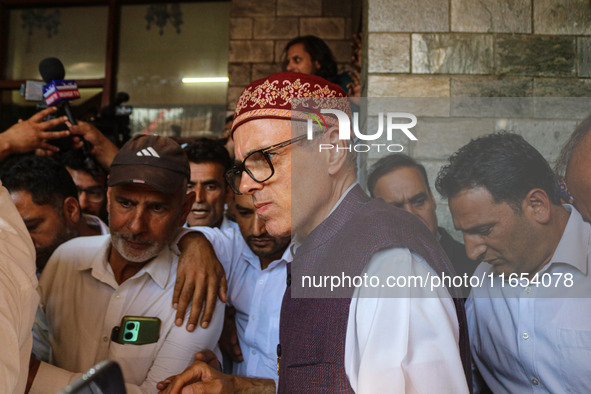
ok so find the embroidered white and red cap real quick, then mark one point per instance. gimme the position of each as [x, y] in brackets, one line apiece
[290, 96]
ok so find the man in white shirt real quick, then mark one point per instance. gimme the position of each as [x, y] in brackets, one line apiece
[349, 343]
[255, 266]
[529, 326]
[46, 198]
[90, 284]
[18, 297]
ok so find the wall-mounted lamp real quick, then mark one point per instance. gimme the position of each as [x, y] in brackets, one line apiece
[206, 80]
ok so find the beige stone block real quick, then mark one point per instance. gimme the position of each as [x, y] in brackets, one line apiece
[262, 70]
[548, 56]
[395, 16]
[239, 74]
[348, 27]
[491, 16]
[562, 87]
[562, 97]
[452, 54]
[275, 28]
[341, 49]
[325, 28]
[491, 87]
[389, 53]
[562, 17]
[492, 96]
[251, 51]
[242, 8]
[233, 94]
[408, 86]
[299, 8]
[337, 8]
[240, 28]
[438, 138]
[584, 56]
[279, 46]
[547, 136]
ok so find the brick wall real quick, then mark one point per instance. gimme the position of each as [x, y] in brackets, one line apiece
[259, 30]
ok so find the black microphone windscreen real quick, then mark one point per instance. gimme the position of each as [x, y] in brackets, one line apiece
[51, 69]
[121, 97]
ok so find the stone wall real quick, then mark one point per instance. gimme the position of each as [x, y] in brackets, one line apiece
[434, 48]
[484, 48]
[259, 30]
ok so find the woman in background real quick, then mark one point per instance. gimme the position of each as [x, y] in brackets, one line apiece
[311, 55]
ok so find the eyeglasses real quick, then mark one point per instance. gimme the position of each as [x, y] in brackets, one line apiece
[94, 194]
[257, 165]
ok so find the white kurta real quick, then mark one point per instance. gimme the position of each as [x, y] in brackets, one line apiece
[18, 297]
[83, 302]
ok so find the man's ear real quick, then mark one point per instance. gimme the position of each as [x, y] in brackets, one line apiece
[72, 211]
[189, 200]
[537, 205]
[338, 155]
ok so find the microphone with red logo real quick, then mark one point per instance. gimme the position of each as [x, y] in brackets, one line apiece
[57, 90]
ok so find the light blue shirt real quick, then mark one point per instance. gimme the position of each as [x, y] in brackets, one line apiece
[530, 339]
[257, 296]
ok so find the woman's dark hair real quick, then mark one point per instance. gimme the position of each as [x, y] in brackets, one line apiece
[319, 52]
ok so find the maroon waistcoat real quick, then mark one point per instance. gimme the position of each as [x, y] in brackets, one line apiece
[312, 330]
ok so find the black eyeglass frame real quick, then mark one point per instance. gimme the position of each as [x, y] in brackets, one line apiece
[93, 190]
[237, 170]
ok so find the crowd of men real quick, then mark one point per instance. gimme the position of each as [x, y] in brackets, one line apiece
[297, 212]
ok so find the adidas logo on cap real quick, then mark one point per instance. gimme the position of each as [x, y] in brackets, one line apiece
[149, 151]
[154, 160]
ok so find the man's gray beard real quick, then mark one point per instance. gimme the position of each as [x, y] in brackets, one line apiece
[118, 242]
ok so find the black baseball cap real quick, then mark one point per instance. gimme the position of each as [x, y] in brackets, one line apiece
[152, 160]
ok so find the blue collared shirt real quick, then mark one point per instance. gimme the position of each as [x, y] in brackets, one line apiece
[537, 338]
[257, 296]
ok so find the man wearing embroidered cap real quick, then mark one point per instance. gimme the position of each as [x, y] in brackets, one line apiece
[341, 341]
[91, 283]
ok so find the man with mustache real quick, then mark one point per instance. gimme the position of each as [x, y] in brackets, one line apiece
[209, 160]
[91, 283]
[530, 330]
[255, 265]
[353, 339]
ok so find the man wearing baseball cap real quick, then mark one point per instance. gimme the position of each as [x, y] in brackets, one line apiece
[303, 182]
[90, 284]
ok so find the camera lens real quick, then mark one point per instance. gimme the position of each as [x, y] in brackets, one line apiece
[130, 326]
[128, 336]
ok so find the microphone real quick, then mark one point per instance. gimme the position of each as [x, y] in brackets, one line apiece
[57, 90]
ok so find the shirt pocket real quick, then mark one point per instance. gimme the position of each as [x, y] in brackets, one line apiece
[135, 360]
[575, 358]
